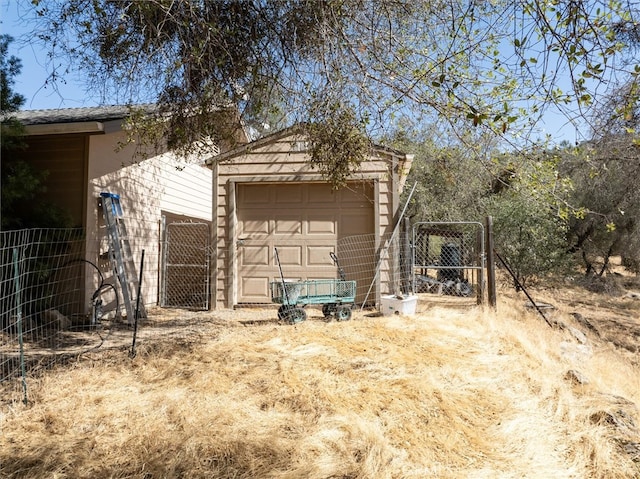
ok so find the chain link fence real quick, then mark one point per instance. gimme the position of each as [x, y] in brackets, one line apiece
[185, 265]
[449, 258]
[60, 297]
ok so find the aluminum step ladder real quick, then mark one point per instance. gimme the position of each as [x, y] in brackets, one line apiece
[120, 255]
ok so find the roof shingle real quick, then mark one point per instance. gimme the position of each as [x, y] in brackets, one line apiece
[72, 115]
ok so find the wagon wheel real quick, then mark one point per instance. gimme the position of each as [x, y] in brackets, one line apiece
[296, 315]
[283, 312]
[328, 309]
[343, 313]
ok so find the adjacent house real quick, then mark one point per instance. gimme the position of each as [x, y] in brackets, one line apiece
[215, 219]
[85, 152]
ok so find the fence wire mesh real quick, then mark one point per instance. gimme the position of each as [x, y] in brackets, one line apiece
[448, 258]
[40, 297]
[185, 266]
[60, 297]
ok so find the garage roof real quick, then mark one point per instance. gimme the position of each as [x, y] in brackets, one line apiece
[405, 160]
[74, 115]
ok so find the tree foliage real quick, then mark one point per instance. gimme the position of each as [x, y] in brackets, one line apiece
[21, 206]
[526, 196]
[337, 144]
[529, 236]
[494, 65]
[618, 114]
[450, 180]
[528, 203]
[606, 175]
[10, 101]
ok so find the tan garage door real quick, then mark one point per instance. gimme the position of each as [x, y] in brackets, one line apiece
[304, 221]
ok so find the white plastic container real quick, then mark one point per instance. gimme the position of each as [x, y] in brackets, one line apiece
[391, 304]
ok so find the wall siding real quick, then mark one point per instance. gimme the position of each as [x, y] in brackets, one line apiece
[63, 158]
[146, 190]
[277, 162]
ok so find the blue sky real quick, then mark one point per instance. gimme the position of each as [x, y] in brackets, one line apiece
[31, 83]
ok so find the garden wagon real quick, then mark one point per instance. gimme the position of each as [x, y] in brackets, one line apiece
[335, 295]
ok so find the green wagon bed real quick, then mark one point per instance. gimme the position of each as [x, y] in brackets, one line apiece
[335, 295]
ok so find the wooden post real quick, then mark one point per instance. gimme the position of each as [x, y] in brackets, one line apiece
[480, 271]
[491, 264]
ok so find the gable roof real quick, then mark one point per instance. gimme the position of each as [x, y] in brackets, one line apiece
[405, 160]
[278, 135]
[73, 115]
[95, 119]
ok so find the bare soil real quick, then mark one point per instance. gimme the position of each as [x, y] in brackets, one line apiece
[454, 391]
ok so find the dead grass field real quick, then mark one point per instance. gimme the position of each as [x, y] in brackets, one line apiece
[451, 392]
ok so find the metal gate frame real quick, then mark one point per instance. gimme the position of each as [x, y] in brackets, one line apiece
[473, 260]
[187, 295]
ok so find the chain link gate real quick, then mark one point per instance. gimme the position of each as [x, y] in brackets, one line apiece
[185, 265]
[449, 258]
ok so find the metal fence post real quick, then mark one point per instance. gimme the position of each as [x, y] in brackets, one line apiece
[16, 282]
[406, 270]
[491, 264]
[480, 271]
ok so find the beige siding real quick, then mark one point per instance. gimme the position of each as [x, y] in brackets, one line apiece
[188, 191]
[146, 189]
[162, 182]
[63, 158]
[284, 160]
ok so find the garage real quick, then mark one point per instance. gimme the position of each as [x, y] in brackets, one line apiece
[304, 221]
[266, 195]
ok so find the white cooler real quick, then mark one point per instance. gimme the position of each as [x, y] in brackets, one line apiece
[392, 304]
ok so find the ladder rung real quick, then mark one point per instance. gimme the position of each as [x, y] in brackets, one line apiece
[120, 251]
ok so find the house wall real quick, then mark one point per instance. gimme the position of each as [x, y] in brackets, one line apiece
[63, 157]
[286, 160]
[147, 189]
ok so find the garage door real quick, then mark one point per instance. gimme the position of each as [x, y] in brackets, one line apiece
[304, 221]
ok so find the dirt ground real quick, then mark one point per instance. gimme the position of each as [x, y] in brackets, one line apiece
[609, 309]
[452, 391]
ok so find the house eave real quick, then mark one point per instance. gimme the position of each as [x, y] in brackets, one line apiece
[65, 128]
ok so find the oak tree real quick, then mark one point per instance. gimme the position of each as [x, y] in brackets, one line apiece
[495, 65]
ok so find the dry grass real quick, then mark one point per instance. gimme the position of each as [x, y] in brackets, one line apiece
[447, 393]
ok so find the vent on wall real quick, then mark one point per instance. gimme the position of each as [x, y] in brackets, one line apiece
[300, 145]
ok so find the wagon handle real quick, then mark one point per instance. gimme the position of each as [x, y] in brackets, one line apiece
[284, 288]
[340, 270]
